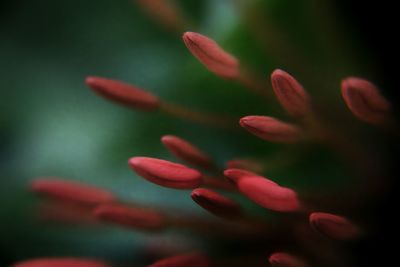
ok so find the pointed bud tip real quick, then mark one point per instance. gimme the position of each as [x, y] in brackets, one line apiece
[334, 226]
[365, 101]
[271, 129]
[268, 194]
[186, 151]
[123, 93]
[290, 93]
[211, 55]
[215, 203]
[71, 191]
[166, 173]
[235, 174]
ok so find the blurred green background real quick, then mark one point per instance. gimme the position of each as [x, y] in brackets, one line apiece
[53, 125]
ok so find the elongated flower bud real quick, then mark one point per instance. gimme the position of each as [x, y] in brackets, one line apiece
[66, 213]
[123, 93]
[263, 191]
[365, 101]
[271, 129]
[61, 262]
[281, 259]
[213, 57]
[215, 203]
[183, 260]
[71, 191]
[185, 151]
[334, 226]
[166, 173]
[246, 164]
[130, 216]
[290, 93]
[235, 174]
[164, 12]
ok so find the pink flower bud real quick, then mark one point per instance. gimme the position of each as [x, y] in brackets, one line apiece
[186, 151]
[235, 174]
[71, 191]
[271, 129]
[131, 217]
[214, 58]
[290, 93]
[183, 260]
[215, 203]
[334, 226]
[263, 191]
[61, 262]
[365, 101]
[164, 11]
[269, 195]
[123, 93]
[166, 173]
[281, 259]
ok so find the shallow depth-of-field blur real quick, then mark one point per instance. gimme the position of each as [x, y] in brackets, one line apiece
[51, 124]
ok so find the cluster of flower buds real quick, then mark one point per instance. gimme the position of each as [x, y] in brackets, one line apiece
[208, 183]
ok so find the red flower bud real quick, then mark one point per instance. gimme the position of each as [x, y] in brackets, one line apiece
[66, 213]
[281, 259]
[166, 173]
[365, 101]
[183, 260]
[71, 191]
[131, 217]
[61, 262]
[215, 203]
[235, 174]
[334, 226]
[264, 192]
[271, 129]
[123, 93]
[185, 151]
[214, 58]
[290, 93]
[164, 11]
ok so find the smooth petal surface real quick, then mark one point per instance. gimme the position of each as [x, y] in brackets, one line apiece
[263, 191]
[123, 93]
[214, 58]
[71, 191]
[334, 226]
[130, 216]
[268, 194]
[183, 260]
[166, 173]
[290, 93]
[365, 101]
[235, 174]
[215, 203]
[281, 259]
[186, 151]
[61, 262]
[271, 129]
